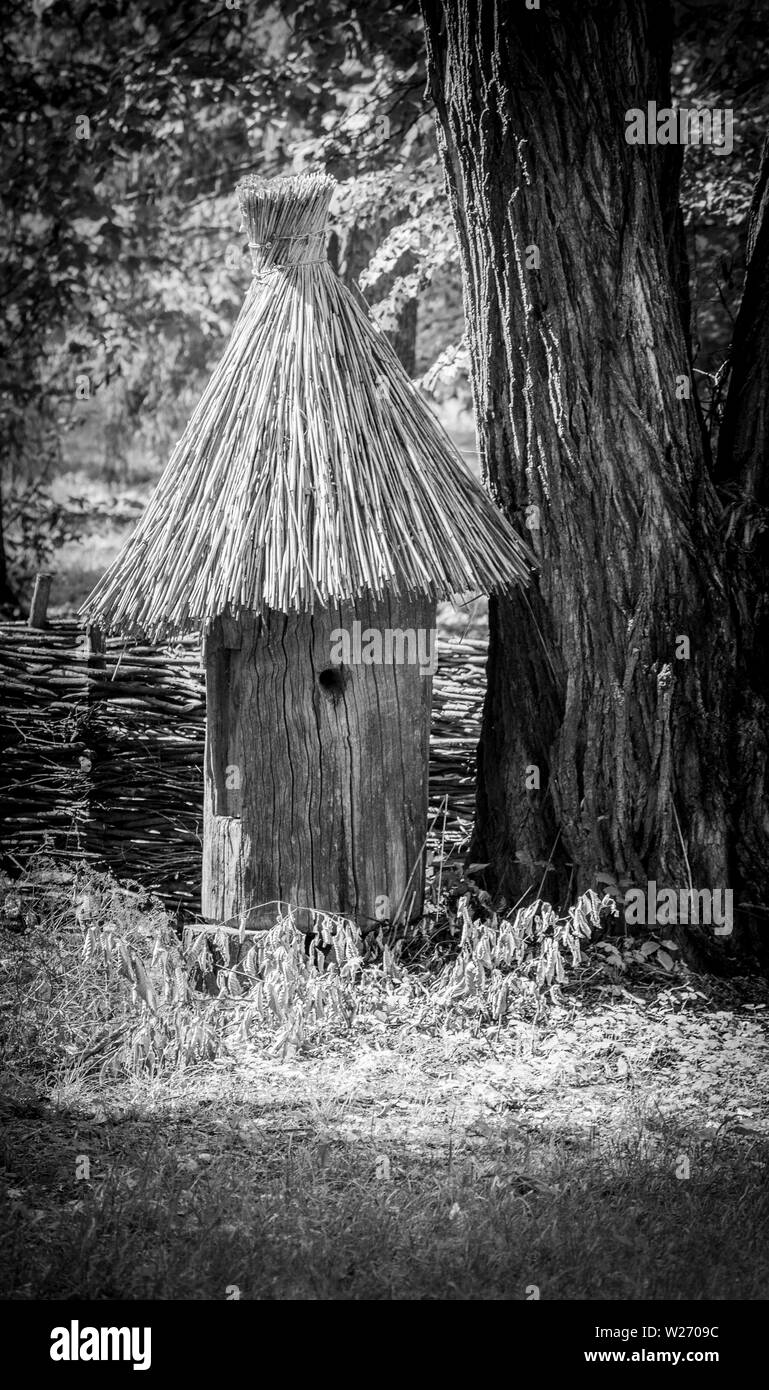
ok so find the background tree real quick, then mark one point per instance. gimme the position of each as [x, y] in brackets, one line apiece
[743, 476]
[617, 730]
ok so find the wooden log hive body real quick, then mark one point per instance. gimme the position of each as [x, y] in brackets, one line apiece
[316, 790]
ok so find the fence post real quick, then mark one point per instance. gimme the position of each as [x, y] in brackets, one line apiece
[39, 605]
[94, 642]
[94, 651]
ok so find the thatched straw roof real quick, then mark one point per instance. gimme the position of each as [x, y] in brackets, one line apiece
[311, 470]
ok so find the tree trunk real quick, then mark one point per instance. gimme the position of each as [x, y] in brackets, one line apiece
[606, 743]
[8, 601]
[743, 474]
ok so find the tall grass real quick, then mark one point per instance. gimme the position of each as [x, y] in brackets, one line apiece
[100, 977]
[178, 1127]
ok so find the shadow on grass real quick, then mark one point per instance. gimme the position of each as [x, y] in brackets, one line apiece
[201, 1200]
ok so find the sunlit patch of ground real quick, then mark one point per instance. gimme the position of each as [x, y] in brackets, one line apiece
[618, 1149]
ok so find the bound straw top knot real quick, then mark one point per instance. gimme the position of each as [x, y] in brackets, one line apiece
[285, 219]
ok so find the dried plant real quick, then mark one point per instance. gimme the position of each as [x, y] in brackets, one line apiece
[312, 469]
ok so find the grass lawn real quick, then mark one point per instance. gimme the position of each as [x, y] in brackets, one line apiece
[384, 1130]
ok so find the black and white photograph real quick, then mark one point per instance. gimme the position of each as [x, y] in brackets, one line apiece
[384, 672]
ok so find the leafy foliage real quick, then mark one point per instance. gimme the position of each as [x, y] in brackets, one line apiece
[36, 525]
[720, 61]
[126, 127]
[105, 985]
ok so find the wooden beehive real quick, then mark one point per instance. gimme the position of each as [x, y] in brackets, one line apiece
[313, 494]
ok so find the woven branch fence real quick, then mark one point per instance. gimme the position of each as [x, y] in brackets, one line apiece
[102, 754]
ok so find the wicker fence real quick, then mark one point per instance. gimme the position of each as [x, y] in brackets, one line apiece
[102, 752]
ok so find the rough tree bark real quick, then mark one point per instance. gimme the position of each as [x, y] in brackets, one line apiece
[8, 600]
[607, 742]
[743, 474]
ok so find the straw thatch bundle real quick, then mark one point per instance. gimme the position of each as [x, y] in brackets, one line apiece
[312, 470]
